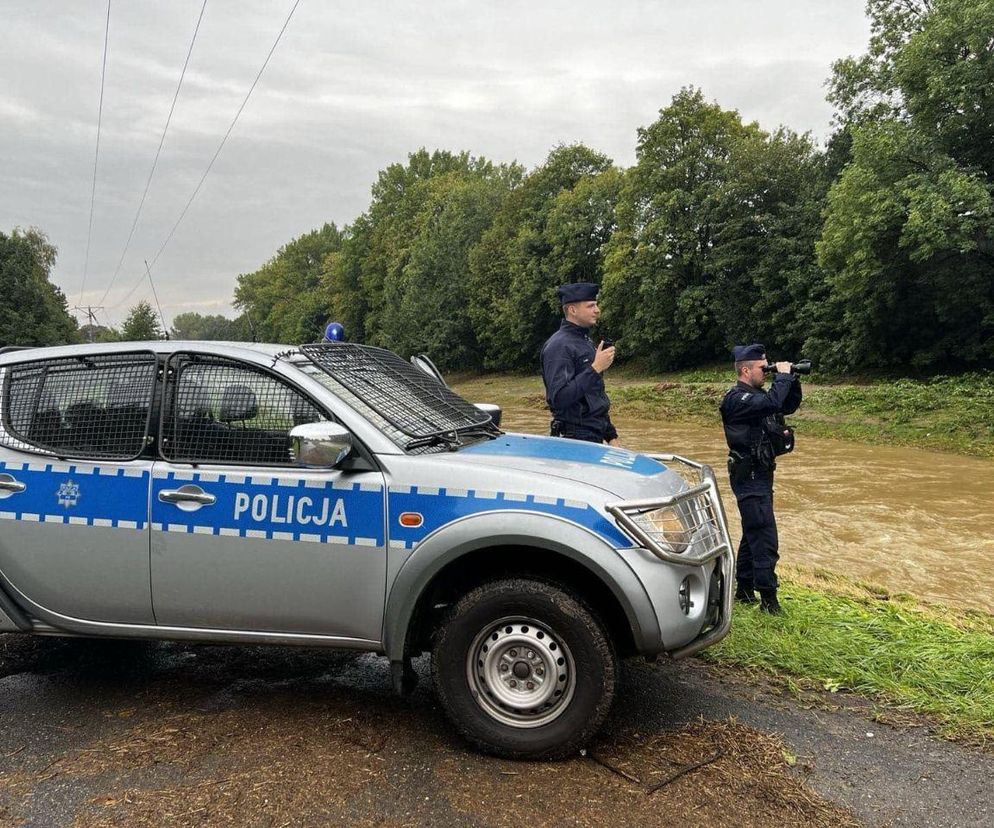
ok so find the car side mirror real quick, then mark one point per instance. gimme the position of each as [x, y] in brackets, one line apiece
[491, 409]
[320, 445]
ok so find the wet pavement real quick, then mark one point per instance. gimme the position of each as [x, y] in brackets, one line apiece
[125, 733]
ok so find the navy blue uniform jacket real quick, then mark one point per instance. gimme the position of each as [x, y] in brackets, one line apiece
[574, 390]
[742, 413]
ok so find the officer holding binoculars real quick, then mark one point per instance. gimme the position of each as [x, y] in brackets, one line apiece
[756, 434]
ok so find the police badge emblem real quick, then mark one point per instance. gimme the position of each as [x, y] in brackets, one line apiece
[68, 494]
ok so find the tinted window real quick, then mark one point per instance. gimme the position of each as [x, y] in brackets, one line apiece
[85, 406]
[222, 411]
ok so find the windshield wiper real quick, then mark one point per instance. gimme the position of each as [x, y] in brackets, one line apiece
[451, 438]
[446, 438]
[488, 431]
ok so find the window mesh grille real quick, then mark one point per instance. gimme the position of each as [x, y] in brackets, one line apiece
[220, 411]
[87, 406]
[412, 402]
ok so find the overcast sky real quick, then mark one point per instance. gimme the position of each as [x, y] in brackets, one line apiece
[351, 88]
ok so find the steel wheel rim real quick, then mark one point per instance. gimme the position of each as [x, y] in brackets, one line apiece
[521, 672]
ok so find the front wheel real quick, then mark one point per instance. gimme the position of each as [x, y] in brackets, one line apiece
[524, 670]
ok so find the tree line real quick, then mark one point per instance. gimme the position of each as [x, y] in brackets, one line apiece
[875, 252]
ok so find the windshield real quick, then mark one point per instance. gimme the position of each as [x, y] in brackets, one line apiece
[415, 410]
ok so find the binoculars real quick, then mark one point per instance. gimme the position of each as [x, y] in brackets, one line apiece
[802, 366]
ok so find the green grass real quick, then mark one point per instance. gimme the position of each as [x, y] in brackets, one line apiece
[890, 648]
[943, 413]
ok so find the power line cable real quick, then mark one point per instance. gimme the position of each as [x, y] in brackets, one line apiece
[96, 156]
[127, 296]
[107, 322]
[226, 134]
[216, 154]
[155, 161]
[155, 296]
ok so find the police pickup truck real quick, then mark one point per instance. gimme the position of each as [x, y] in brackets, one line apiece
[335, 495]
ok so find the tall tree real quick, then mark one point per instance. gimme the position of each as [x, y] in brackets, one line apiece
[550, 230]
[33, 310]
[426, 306]
[764, 242]
[907, 244]
[398, 197]
[662, 289]
[286, 300]
[141, 324]
[407, 255]
[342, 277]
[715, 238]
[908, 240]
[946, 73]
[211, 327]
[866, 88]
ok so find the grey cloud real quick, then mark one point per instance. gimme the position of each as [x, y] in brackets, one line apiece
[352, 88]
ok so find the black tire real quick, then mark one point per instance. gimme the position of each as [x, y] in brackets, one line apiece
[542, 674]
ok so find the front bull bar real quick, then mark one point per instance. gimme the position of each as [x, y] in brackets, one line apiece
[708, 486]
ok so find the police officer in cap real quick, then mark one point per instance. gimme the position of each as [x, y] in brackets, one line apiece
[755, 432]
[573, 369]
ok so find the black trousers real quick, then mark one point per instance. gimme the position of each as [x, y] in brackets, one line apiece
[756, 564]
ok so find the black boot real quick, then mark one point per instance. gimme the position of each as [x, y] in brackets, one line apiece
[745, 593]
[769, 602]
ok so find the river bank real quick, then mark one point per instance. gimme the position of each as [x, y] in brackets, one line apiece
[943, 413]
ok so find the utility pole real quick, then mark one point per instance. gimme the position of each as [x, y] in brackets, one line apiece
[91, 316]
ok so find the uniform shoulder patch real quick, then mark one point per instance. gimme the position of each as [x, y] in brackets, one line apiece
[746, 396]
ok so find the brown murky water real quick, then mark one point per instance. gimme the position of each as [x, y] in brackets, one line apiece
[909, 520]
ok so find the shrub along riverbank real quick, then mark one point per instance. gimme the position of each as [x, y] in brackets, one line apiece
[943, 413]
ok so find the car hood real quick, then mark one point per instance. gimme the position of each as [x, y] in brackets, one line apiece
[617, 471]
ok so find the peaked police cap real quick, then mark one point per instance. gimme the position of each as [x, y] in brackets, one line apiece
[577, 292]
[747, 353]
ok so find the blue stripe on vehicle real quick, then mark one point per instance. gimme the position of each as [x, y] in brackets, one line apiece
[94, 496]
[571, 451]
[264, 506]
[441, 506]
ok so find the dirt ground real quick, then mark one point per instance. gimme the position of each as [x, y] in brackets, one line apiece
[119, 733]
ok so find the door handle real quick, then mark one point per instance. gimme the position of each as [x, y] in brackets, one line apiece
[187, 494]
[9, 484]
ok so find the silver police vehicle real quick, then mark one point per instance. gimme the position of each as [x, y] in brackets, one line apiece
[336, 495]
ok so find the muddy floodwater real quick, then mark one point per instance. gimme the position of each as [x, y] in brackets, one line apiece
[908, 520]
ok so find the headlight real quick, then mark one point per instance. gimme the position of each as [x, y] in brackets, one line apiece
[687, 528]
[666, 527]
